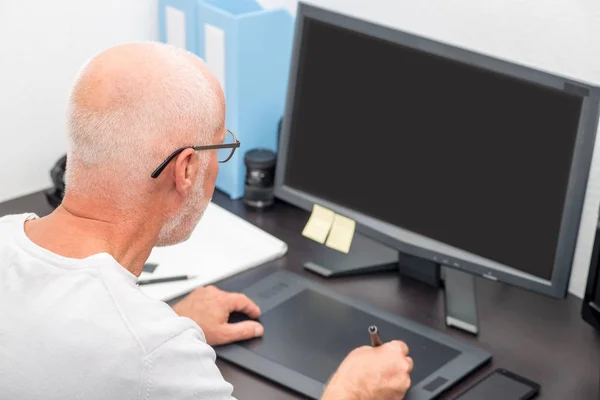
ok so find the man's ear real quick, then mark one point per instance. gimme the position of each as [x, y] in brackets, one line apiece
[185, 172]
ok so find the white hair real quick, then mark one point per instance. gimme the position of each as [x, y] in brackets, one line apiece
[134, 135]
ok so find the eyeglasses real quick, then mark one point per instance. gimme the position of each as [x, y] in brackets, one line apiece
[225, 149]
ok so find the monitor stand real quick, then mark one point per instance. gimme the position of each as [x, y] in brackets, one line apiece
[367, 255]
[459, 290]
[461, 300]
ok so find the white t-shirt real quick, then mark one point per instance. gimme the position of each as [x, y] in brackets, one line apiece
[81, 329]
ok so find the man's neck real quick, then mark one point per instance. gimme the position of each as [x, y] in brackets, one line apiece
[80, 227]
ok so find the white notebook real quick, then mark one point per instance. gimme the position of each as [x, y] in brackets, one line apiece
[222, 245]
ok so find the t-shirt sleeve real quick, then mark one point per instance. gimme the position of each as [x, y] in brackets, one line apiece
[184, 368]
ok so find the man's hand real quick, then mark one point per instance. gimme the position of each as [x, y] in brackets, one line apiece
[370, 373]
[210, 307]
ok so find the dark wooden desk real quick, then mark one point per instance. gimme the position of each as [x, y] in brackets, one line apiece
[541, 338]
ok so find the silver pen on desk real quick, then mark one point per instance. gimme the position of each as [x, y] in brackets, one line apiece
[165, 279]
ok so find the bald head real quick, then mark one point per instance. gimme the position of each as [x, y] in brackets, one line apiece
[130, 107]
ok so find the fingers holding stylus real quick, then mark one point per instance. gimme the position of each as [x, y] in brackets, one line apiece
[397, 345]
[401, 346]
[406, 363]
[376, 341]
[410, 363]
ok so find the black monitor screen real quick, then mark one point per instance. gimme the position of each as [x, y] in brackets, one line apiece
[462, 155]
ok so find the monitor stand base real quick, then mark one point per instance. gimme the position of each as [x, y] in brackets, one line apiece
[368, 256]
[461, 300]
[365, 256]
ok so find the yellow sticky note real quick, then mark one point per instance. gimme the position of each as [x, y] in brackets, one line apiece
[318, 224]
[341, 234]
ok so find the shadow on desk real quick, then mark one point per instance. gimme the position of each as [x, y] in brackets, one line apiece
[535, 336]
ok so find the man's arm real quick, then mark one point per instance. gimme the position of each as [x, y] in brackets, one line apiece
[184, 368]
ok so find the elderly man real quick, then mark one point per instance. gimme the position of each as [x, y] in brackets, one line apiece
[73, 324]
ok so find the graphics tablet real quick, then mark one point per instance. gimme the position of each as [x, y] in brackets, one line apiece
[309, 330]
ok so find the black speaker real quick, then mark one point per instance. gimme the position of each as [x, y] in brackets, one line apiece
[590, 310]
[57, 173]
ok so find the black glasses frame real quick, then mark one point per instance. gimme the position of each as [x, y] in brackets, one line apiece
[232, 146]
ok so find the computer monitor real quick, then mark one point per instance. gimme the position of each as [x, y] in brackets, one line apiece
[590, 310]
[474, 163]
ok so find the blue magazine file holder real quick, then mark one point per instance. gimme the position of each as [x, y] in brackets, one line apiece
[249, 49]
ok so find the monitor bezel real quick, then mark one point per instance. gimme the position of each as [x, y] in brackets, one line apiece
[557, 286]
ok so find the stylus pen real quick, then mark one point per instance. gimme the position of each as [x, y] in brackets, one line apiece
[375, 340]
[165, 279]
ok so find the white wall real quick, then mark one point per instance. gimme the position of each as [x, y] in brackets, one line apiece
[42, 45]
[560, 36]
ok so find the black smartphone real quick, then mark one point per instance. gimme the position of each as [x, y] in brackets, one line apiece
[501, 385]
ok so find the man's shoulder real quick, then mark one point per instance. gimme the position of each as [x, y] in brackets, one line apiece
[10, 222]
[12, 218]
[152, 322]
[9, 226]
